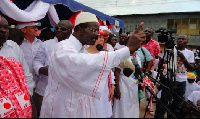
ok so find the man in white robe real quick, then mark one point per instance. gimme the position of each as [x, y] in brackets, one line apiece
[75, 77]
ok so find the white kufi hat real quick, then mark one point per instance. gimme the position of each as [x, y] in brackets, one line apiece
[85, 17]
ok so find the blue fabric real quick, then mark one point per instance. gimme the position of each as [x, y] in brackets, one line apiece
[147, 55]
[75, 6]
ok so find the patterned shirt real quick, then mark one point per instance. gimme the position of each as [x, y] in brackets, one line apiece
[154, 48]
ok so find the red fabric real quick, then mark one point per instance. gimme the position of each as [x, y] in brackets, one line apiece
[109, 26]
[101, 23]
[14, 95]
[109, 80]
[73, 17]
[147, 82]
[154, 48]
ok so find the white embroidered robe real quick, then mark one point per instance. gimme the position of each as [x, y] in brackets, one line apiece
[76, 77]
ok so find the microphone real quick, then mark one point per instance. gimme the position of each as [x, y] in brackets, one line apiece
[127, 72]
[138, 72]
[99, 47]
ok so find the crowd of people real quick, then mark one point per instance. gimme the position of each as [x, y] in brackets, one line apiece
[86, 71]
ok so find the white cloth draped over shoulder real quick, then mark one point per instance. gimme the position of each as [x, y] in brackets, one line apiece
[34, 12]
[75, 77]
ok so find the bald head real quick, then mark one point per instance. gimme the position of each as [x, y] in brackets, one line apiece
[66, 23]
[182, 41]
[63, 30]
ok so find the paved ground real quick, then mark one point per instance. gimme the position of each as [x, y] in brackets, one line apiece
[143, 108]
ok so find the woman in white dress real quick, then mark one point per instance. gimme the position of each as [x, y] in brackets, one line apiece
[104, 105]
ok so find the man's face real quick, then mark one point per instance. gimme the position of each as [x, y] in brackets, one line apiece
[182, 40]
[148, 33]
[31, 30]
[114, 40]
[123, 37]
[191, 80]
[90, 34]
[63, 31]
[4, 30]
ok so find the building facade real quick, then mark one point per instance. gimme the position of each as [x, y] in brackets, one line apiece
[184, 23]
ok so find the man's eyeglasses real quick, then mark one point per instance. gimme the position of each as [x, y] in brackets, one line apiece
[63, 28]
[95, 31]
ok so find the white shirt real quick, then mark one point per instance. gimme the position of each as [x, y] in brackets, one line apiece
[109, 47]
[194, 97]
[11, 50]
[30, 51]
[181, 74]
[41, 60]
[190, 87]
[75, 78]
[118, 46]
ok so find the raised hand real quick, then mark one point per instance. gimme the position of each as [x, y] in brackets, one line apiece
[136, 39]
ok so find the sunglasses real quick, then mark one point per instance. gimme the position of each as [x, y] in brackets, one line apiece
[63, 28]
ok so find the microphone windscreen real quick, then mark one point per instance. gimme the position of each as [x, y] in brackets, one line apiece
[99, 47]
[127, 72]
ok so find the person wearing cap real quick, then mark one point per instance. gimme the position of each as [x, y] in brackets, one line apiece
[105, 33]
[75, 76]
[63, 30]
[10, 50]
[191, 85]
[30, 44]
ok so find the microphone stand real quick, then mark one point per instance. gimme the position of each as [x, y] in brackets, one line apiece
[157, 99]
[174, 93]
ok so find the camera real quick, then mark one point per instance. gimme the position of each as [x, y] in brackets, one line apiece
[166, 37]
